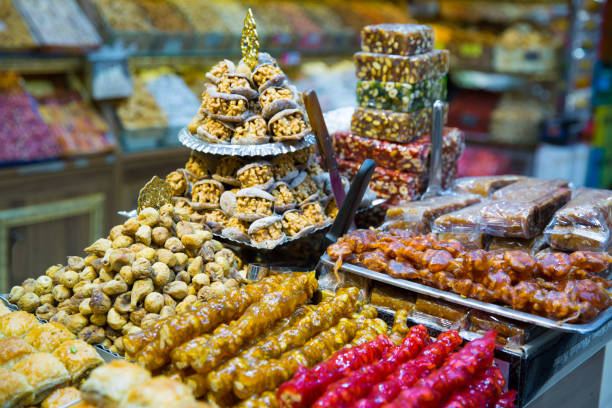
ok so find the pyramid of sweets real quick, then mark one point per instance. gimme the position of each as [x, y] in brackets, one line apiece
[400, 76]
[247, 106]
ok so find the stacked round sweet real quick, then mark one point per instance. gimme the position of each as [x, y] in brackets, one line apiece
[246, 107]
[260, 200]
[400, 77]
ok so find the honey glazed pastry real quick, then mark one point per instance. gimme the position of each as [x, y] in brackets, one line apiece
[78, 357]
[47, 337]
[12, 350]
[17, 324]
[108, 384]
[62, 397]
[14, 389]
[44, 373]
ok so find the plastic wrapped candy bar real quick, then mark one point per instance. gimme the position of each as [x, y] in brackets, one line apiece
[410, 157]
[485, 186]
[447, 313]
[507, 331]
[391, 297]
[418, 216]
[393, 185]
[398, 39]
[392, 126]
[525, 213]
[395, 68]
[401, 96]
[462, 225]
[528, 189]
[532, 246]
[584, 223]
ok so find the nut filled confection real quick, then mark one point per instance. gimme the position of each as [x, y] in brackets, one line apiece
[231, 193]
[249, 106]
[400, 77]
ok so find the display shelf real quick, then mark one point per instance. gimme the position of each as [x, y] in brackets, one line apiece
[37, 63]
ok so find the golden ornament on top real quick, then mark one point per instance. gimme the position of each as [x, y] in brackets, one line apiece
[249, 44]
[155, 193]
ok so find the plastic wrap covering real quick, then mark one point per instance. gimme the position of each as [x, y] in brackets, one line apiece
[486, 185]
[392, 126]
[532, 246]
[258, 317]
[398, 39]
[523, 217]
[462, 225]
[393, 185]
[527, 189]
[394, 68]
[153, 351]
[418, 216]
[401, 96]
[321, 317]
[391, 297]
[508, 332]
[584, 223]
[411, 157]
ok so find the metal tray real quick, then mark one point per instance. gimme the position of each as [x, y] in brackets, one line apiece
[590, 327]
[266, 149]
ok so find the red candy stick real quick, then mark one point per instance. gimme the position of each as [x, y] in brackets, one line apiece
[455, 373]
[309, 383]
[485, 390]
[359, 383]
[506, 400]
[408, 373]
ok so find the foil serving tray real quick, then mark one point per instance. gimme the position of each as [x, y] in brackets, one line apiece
[265, 149]
[503, 311]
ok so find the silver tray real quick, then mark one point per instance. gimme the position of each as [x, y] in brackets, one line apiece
[266, 149]
[286, 241]
[585, 328]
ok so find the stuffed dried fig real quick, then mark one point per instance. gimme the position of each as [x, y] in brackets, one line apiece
[29, 302]
[154, 301]
[141, 289]
[45, 311]
[141, 269]
[92, 334]
[178, 290]
[76, 323]
[99, 302]
[123, 303]
[161, 274]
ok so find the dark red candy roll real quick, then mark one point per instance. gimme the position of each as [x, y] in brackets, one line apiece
[408, 373]
[485, 390]
[457, 372]
[359, 383]
[506, 400]
[309, 383]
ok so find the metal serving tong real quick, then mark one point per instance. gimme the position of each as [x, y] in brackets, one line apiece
[315, 116]
[346, 213]
[435, 166]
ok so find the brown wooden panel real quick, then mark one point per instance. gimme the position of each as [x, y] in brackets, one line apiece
[35, 247]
